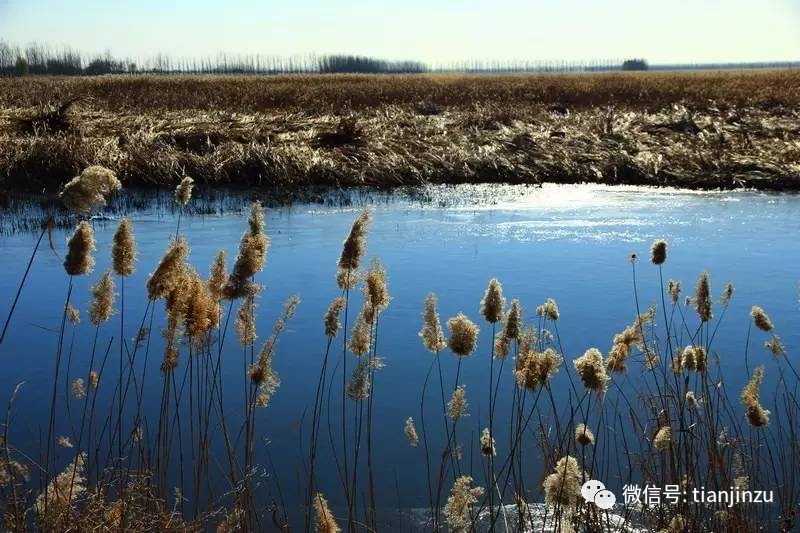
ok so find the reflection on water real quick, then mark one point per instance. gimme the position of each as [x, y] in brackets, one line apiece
[571, 243]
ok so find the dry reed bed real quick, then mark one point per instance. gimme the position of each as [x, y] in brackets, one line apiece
[698, 130]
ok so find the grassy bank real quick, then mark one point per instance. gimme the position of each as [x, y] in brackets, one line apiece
[698, 130]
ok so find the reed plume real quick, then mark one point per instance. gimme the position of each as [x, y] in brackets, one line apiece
[353, 249]
[73, 315]
[431, 333]
[535, 369]
[202, 313]
[703, 298]
[78, 389]
[183, 192]
[361, 337]
[170, 270]
[691, 358]
[89, 189]
[727, 294]
[102, 306]
[375, 290]
[512, 327]
[632, 336]
[55, 505]
[658, 252]
[493, 302]
[331, 319]
[563, 486]
[94, 379]
[674, 290]
[359, 386]
[251, 257]
[463, 335]
[457, 406]
[462, 497]
[592, 371]
[583, 435]
[123, 249]
[760, 319]
[549, 309]
[245, 322]
[663, 438]
[411, 432]
[756, 414]
[775, 346]
[324, 521]
[487, 443]
[79, 260]
[218, 277]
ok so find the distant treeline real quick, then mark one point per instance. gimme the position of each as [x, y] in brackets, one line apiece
[43, 59]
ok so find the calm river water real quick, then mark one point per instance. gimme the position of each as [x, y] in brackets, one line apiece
[571, 243]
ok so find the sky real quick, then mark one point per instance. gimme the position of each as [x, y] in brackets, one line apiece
[434, 31]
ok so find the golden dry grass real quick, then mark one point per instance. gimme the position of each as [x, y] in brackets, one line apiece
[699, 129]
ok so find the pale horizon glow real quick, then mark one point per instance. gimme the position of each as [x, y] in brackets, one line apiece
[433, 31]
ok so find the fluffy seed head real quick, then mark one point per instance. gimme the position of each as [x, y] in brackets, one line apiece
[584, 435]
[775, 345]
[354, 245]
[563, 486]
[549, 310]
[463, 335]
[201, 313]
[663, 438]
[74, 315]
[89, 189]
[102, 306]
[760, 319]
[457, 406]
[218, 277]
[457, 509]
[94, 379]
[246, 320]
[756, 414]
[375, 290]
[183, 192]
[79, 260]
[592, 371]
[535, 369]
[493, 302]
[170, 270]
[251, 257]
[692, 358]
[658, 252]
[411, 432]
[727, 294]
[324, 521]
[78, 389]
[674, 289]
[487, 443]
[331, 319]
[512, 327]
[123, 249]
[432, 336]
[703, 298]
[361, 337]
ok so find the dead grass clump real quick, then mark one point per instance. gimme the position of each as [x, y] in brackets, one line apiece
[51, 119]
[347, 133]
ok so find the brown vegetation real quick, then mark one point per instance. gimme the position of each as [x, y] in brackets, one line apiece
[698, 130]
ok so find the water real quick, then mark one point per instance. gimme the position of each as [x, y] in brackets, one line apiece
[571, 243]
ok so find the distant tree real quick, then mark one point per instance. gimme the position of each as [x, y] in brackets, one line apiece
[21, 67]
[634, 64]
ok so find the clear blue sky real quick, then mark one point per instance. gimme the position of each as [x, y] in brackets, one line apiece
[433, 30]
